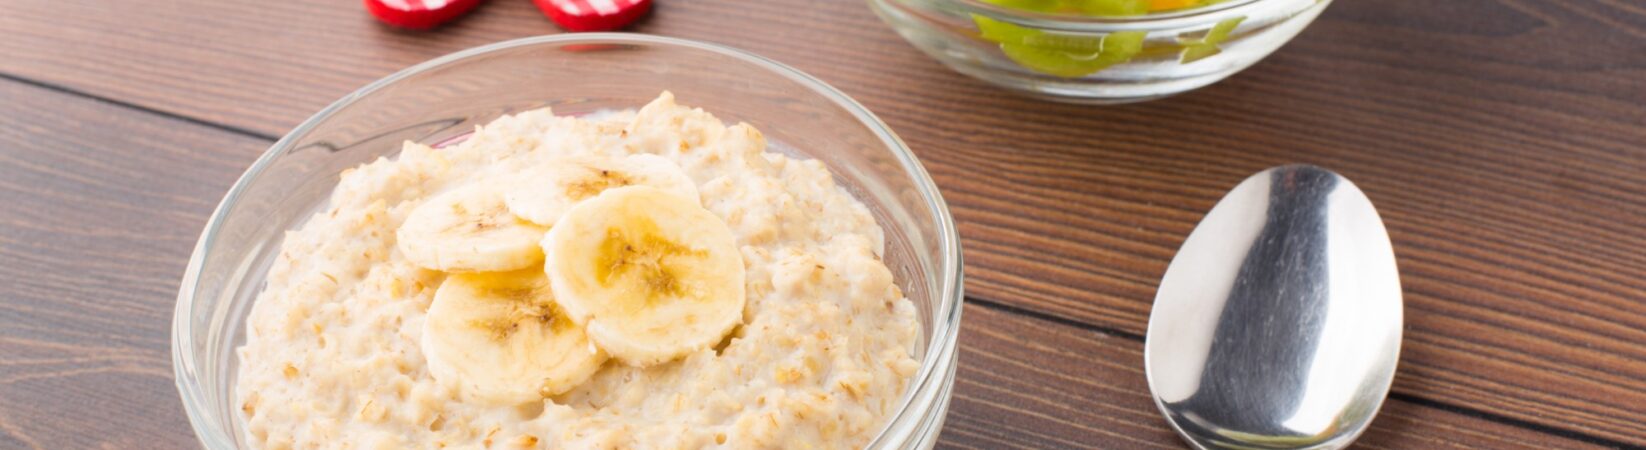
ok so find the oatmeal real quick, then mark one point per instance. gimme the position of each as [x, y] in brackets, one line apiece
[644, 279]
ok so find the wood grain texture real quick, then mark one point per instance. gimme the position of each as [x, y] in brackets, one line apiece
[93, 254]
[1029, 383]
[1500, 139]
[99, 208]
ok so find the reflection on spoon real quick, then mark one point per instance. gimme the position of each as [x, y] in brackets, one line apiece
[1278, 323]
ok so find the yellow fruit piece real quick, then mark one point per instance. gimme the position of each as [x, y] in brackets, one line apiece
[1162, 5]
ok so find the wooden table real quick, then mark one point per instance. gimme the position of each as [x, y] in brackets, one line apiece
[1504, 142]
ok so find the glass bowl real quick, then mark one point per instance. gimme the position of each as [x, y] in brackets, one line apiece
[1098, 60]
[443, 99]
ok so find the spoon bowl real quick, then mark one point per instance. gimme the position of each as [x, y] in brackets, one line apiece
[1278, 323]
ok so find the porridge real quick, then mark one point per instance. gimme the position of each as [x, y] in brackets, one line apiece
[643, 279]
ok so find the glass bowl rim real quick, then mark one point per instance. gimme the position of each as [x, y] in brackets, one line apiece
[1100, 24]
[929, 383]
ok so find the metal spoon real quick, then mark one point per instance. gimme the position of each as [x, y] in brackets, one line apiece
[1278, 323]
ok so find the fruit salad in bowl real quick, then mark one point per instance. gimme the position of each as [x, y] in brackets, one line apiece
[1102, 8]
[1099, 51]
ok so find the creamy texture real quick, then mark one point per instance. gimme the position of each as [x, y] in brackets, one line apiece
[823, 356]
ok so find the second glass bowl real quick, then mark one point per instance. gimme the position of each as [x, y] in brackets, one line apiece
[1098, 60]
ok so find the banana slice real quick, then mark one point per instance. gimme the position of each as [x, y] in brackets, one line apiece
[650, 277]
[555, 186]
[501, 339]
[469, 230]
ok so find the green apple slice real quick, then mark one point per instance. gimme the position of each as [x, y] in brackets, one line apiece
[1113, 7]
[1059, 54]
[1055, 62]
[1028, 5]
[1207, 46]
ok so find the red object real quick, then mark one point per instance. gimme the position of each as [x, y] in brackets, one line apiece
[593, 15]
[418, 14]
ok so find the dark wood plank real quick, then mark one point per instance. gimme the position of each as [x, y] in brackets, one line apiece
[99, 208]
[1029, 383]
[1500, 139]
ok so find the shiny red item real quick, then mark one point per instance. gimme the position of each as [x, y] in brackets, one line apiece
[593, 15]
[418, 14]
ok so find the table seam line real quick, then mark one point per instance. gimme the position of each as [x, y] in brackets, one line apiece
[62, 89]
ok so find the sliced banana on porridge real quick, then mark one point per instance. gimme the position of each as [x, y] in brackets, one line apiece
[649, 276]
[502, 339]
[547, 191]
[469, 230]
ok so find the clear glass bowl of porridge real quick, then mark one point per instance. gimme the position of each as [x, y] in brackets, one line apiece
[443, 99]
